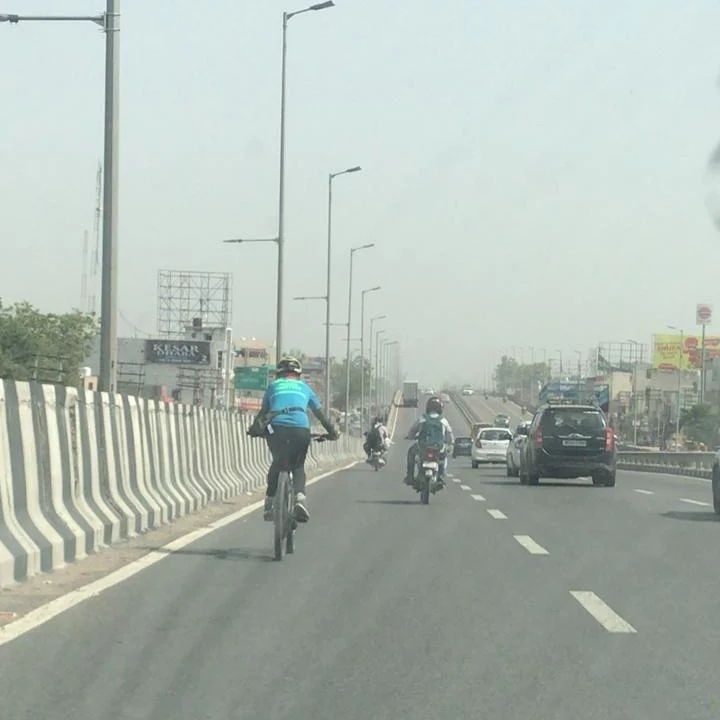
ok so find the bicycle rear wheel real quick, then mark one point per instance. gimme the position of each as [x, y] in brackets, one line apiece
[291, 522]
[280, 514]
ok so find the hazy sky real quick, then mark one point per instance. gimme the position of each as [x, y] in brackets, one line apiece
[534, 173]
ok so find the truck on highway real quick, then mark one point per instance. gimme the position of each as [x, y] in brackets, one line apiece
[410, 394]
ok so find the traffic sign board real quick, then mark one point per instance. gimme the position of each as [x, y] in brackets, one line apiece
[251, 378]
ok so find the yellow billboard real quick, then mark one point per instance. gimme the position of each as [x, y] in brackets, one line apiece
[669, 355]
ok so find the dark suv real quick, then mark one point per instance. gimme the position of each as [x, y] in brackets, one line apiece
[569, 441]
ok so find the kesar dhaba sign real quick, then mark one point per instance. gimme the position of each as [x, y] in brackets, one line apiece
[177, 352]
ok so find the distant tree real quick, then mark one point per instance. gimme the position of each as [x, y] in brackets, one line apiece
[47, 347]
[700, 424]
[338, 381]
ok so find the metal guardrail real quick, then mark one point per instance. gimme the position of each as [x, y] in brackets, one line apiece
[692, 464]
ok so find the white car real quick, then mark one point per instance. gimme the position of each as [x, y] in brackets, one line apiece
[515, 448]
[467, 391]
[491, 446]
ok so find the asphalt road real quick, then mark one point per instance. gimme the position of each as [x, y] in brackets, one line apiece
[389, 610]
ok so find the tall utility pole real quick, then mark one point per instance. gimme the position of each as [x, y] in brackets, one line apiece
[108, 297]
[110, 22]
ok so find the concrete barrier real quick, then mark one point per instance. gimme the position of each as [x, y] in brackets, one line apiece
[692, 464]
[82, 470]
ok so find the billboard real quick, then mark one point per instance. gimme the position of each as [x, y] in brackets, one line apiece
[669, 355]
[177, 352]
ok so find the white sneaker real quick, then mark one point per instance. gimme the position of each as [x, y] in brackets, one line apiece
[301, 511]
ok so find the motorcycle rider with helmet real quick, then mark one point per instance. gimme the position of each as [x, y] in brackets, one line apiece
[433, 414]
[377, 437]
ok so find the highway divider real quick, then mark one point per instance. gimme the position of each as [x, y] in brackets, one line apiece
[82, 470]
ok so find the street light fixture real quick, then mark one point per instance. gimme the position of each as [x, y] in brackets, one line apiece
[362, 350]
[349, 320]
[331, 177]
[110, 23]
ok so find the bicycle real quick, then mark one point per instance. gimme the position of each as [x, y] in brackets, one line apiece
[284, 521]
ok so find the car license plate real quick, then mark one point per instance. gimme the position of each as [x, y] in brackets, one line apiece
[431, 465]
[575, 443]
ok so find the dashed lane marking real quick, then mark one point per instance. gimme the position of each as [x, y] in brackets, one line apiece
[497, 514]
[696, 502]
[602, 612]
[479, 498]
[644, 492]
[530, 545]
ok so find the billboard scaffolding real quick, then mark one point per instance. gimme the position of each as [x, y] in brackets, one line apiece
[184, 296]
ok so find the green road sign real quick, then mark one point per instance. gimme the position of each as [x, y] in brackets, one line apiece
[251, 378]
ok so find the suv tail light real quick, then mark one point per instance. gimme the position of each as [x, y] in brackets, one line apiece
[538, 438]
[609, 439]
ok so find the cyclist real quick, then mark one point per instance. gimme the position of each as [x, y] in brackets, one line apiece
[283, 420]
[431, 423]
[377, 437]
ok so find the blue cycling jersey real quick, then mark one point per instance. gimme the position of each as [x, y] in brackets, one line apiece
[294, 396]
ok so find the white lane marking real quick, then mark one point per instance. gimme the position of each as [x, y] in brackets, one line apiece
[457, 480]
[530, 545]
[479, 498]
[644, 492]
[696, 502]
[465, 487]
[59, 605]
[497, 514]
[602, 612]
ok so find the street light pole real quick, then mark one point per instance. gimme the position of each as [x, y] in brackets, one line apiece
[362, 351]
[349, 321]
[679, 369]
[108, 300]
[378, 361]
[386, 370]
[110, 23]
[331, 177]
[373, 363]
[281, 189]
[634, 343]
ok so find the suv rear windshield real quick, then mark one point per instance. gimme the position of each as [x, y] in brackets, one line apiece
[495, 435]
[572, 420]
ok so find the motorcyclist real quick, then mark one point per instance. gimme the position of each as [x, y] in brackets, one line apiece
[377, 437]
[283, 420]
[433, 413]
